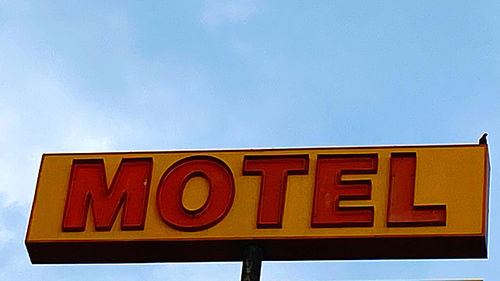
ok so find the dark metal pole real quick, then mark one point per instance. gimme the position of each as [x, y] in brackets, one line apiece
[252, 263]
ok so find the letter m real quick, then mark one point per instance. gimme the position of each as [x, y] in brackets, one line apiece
[88, 187]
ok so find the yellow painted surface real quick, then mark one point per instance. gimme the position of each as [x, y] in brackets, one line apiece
[450, 175]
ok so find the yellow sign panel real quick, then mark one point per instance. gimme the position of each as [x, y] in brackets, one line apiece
[301, 203]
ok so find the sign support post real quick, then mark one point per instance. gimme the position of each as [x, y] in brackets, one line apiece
[252, 263]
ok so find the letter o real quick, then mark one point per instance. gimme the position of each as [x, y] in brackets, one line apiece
[219, 201]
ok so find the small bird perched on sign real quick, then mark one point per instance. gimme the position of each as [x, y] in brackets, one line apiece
[483, 140]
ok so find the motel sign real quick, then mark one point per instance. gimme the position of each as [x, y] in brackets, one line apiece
[299, 203]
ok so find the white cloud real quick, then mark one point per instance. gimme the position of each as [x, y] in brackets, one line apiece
[42, 116]
[216, 12]
[5, 236]
[242, 48]
[83, 136]
[197, 271]
[39, 112]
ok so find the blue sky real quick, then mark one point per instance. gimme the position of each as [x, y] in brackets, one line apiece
[162, 75]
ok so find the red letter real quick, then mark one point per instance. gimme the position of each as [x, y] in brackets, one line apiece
[274, 171]
[330, 189]
[87, 185]
[171, 187]
[401, 211]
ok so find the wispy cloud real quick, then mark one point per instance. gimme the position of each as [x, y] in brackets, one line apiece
[216, 12]
[42, 116]
[41, 110]
[5, 235]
